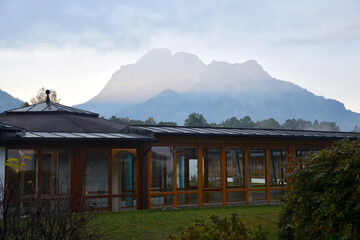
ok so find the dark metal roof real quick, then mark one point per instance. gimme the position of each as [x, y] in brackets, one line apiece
[243, 132]
[80, 135]
[75, 136]
[9, 128]
[51, 107]
[48, 122]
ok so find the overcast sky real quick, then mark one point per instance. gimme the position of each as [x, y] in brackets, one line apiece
[75, 46]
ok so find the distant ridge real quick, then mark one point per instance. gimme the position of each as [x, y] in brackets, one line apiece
[8, 102]
[168, 87]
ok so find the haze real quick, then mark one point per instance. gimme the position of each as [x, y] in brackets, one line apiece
[75, 46]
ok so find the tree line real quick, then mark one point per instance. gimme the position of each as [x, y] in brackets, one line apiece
[197, 120]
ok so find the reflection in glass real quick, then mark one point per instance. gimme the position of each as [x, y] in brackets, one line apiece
[277, 162]
[236, 196]
[212, 197]
[162, 200]
[123, 171]
[123, 202]
[257, 195]
[188, 198]
[187, 169]
[23, 181]
[235, 168]
[94, 203]
[96, 172]
[211, 171]
[256, 162]
[161, 169]
[123, 178]
[55, 172]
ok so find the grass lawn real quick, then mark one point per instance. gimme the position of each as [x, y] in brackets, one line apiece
[159, 224]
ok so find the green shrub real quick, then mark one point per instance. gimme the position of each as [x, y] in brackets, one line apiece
[323, 199]
[221, 229]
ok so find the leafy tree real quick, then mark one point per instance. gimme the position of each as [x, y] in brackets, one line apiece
[41, 96]
[300, 124]
[196, 120]
[150, 121]
[246, 122]
[232, 122]
[171, 124]
[323, 199]
[328, 126]
[297, 124]
[269, 124]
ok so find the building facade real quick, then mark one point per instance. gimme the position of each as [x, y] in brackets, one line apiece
[109, 166]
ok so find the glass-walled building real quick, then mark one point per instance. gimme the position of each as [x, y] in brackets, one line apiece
[102, 165]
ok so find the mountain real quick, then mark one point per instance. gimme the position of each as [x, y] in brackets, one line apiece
[8, 102]
[169, 87]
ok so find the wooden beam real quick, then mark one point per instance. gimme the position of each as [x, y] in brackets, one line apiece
[200, 174]
[223, 176]
[267, 175]
[246, 177]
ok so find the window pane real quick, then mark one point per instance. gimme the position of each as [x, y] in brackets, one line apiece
[187, 169]
[96, 180]
[276, 194]
[123, 171]
[55, 172]
[257, 168]
[235, 168]
[123, 202]
[23, 181]
[257, 195]
[162, 200]
[236, 196]
[161, 169]
[188, 198]
[94, 203]
[277, 162]
[212, 197]
[211, 164]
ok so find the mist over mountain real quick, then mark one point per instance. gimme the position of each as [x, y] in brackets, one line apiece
[8, 102]
[169, 87]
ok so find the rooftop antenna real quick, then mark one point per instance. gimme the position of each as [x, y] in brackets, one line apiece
[47, 97]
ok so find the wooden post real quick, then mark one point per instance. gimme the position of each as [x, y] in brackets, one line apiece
[148, 177]
[110, 180]
[246, 177]
[77, 177]
[267, 157]
[200, 173]
[175, 178]
[223, 176]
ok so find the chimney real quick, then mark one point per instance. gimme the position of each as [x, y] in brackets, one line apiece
[47, 97]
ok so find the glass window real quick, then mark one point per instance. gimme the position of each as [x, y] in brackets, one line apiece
[187, 169]
[123, 171]
[212, 197]
[188, 198]
[211, 168]
[55, 172]
[257, 195]
[22, 180]
[277, 160]
[162, 169]
[162, 200]
[123, 202]
[236, 196]
[96, 172]
[256, 162]
[235, 168]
